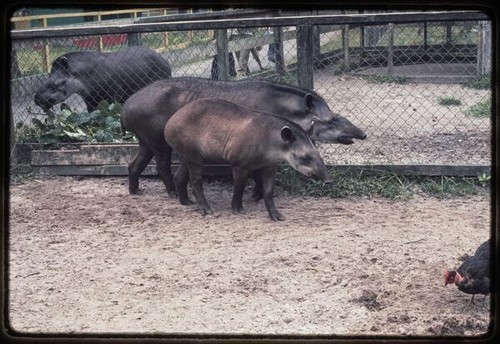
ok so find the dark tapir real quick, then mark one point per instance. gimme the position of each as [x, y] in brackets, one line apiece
[95, 76]
[250, 141]
[147, 111]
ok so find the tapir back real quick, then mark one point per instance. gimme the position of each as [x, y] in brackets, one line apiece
[218, 131]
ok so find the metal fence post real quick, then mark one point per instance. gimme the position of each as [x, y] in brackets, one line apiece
[222, 54]
[305, 57]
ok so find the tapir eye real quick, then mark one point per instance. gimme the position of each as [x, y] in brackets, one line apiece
[306, 160]
[334, 120]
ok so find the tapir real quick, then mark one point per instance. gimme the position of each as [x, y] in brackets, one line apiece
[95, 76]
[146, 112]
[248, 140]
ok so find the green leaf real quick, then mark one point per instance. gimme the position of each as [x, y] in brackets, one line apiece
[37, 123]
[103, 136]
[76, 135]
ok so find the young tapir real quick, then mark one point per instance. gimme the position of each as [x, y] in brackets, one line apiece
[248, 140]
[146, 112]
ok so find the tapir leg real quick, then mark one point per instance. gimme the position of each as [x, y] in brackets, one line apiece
[240, 178]
[181, 179]
[163, 160]
[267, 175]
[197, 185]
[257, 189]
[137, 166]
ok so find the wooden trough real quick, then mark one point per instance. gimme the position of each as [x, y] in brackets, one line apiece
[96, 160]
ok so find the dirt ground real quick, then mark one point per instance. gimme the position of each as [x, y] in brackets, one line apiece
[405, 123]
[87, 257]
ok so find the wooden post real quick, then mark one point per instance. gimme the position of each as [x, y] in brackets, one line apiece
[222, 54]
[425, 37]
[12, 140]
[316, 45]
[134, 39]
[390, 49]
[100, 45]
[362, 38]
[46, 57]
[46, 51]
[345, 46]
[448, 33]
[278, 41]
[165, 39]
[484, 49]
[304, 57]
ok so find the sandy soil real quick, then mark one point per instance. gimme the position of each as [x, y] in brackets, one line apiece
[86, 257]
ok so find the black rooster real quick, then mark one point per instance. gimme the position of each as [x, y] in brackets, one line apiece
[473, 276]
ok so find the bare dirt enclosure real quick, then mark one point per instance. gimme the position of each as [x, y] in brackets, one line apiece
[86, 257]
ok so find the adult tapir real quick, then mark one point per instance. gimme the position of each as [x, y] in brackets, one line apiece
[249, 140]
[95, 76]
[146, 112]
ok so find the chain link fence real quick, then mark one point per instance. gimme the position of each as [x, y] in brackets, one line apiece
[420, 89]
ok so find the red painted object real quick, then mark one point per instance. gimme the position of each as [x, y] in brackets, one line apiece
[107, 41]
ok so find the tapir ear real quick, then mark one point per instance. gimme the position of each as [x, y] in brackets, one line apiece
[61, 63]
[308, 102]
[287, 135]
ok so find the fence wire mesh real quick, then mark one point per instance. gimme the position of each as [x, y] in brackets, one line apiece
[421, 91]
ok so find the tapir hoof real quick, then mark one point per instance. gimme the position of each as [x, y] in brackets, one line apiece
[276, 216]
[133, 189]
[172, 193]
[239, 210]
[186, 201]
[206, 211]
[257, 195]
[135, 192]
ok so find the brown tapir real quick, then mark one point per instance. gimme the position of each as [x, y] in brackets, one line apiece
[248, 140]
[146, 112]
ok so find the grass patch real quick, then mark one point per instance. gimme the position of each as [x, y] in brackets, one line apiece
[287, 79]
[386, 78]
[378, 184]
[481, 109]
[449, 101]
[444, 186]
[481, 83]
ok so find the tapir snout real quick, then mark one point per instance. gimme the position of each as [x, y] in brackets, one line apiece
[337, 130]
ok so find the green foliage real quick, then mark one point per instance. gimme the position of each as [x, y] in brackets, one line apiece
[481, 83]
[101, 125]
[484, 179]
[387, 78]
[377, 184]
[449, 101]
[481, 109]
